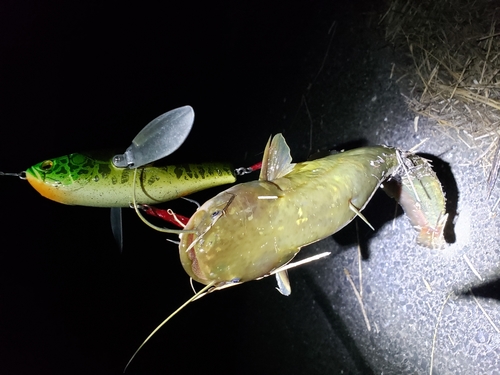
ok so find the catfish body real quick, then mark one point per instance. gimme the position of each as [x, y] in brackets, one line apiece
[251, 229]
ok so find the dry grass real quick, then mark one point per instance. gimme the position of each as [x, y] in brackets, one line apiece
[454, 80]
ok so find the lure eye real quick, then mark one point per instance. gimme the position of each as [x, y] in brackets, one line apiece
[46, 165]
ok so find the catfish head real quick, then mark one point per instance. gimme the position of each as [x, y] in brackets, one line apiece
[235, 236]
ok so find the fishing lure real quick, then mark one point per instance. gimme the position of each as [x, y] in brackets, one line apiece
[94, 180]
[107, 180]
[255, 229]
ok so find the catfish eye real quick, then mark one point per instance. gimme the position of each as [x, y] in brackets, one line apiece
[215, 214]
[46, 165]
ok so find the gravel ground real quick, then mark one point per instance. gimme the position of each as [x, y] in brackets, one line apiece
[80, 77]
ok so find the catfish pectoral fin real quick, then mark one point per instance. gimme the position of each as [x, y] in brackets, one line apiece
[283, 283]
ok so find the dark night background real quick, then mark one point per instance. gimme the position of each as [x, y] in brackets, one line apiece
[78, 76]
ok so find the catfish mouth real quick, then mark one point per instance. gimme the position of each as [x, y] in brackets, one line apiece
[201, 222]
[189, 241]
[191, 254]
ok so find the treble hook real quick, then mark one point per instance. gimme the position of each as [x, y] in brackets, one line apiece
[21, 175]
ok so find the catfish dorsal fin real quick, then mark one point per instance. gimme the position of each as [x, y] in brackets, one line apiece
[277, 161]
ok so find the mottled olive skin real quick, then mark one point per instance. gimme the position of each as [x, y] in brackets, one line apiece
[251, 229]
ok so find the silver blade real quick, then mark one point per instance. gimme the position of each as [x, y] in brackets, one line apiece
[159, 138]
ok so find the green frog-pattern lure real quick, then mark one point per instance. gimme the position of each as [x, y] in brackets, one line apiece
[94, 180]
[255, 229]
[107, 180]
